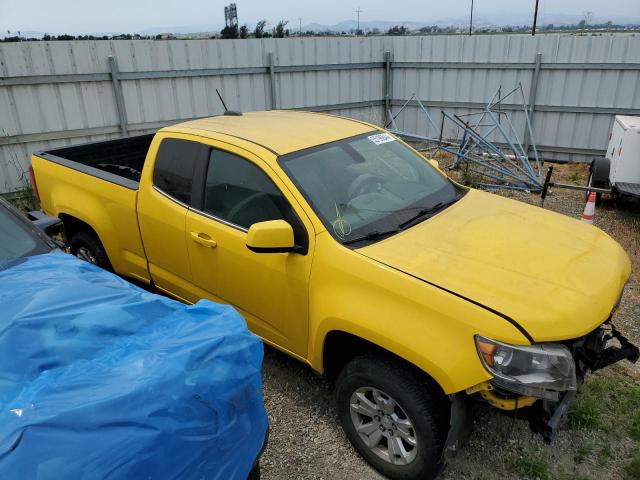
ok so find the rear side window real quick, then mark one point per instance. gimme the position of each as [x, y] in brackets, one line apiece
[175, 166]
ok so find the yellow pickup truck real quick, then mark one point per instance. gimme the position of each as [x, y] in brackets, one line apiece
[345, 248]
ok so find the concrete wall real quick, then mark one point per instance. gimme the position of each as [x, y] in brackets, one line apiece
[62, 93]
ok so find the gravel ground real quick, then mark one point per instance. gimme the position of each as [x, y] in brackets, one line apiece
[306, 441]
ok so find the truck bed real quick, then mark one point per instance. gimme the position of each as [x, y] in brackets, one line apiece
[97, 184]
[121, 160]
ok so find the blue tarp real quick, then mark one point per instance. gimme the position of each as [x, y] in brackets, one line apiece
[101, 379]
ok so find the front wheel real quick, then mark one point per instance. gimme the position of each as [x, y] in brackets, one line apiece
[391, 418]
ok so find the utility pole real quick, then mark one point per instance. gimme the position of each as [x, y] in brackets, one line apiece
[300, 24]
[535, 19]
[471, 19]
[358, 11]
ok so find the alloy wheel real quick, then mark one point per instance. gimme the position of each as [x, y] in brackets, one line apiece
[383, 425]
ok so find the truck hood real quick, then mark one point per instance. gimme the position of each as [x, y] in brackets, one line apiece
[558, 278]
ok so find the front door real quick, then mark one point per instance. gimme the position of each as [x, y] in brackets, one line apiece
[269, 289]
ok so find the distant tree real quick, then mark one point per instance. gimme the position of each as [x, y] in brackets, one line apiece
[259, 30]
[279, 31]
[244, 31]
[398, 30]
[229, 32]
[375, 31]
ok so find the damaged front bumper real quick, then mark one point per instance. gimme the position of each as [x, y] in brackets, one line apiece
[597, 350]
[546, 413]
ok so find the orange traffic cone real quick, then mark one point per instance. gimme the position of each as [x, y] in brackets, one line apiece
[589, 209]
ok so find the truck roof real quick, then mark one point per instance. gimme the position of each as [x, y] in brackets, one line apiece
[281, 131]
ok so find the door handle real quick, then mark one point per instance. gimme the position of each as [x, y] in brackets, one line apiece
[203, 239]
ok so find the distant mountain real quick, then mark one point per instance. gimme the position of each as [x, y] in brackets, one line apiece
[463, 22]
[500, 20]
[200, 28]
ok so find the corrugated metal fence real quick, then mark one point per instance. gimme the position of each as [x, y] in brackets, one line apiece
[61, 93]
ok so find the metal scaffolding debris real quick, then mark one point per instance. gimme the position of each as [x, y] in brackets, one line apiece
[503, 163]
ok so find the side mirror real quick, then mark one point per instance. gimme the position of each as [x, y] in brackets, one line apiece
[273, 236]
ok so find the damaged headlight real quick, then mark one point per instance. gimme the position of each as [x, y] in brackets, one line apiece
[537, 370]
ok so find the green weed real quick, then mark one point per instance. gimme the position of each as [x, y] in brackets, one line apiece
[632, 470]
[531, 469]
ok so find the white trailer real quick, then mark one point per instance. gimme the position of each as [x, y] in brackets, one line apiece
[622, 157]
[618, 172]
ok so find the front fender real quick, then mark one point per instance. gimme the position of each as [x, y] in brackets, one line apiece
[426, 326]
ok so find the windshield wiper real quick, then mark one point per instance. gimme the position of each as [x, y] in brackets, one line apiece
[375, 235]
[427, 211]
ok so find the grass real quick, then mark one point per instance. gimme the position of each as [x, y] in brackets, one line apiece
[585, 412]
[632, 470]
[571, 476]
[24, 199]
[605, 454]
[531, 468]
[634, 428]
[610, 404]
[583, 452]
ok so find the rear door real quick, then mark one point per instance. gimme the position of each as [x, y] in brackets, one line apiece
[162, 212]
[269, 289]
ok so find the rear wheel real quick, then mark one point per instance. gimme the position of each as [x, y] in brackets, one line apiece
[87, 246]
[391, 417]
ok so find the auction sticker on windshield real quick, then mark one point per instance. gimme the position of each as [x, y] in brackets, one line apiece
[381, 138]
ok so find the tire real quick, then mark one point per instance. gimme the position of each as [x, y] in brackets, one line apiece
[254, 474]
[87, 246]
[428, 422]
[599, 176]
[598, 194]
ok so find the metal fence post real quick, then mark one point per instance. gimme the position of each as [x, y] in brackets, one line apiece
[272, 81]
[387, 88]
[117, 90]
[533, 90]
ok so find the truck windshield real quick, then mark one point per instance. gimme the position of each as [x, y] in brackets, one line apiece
[369, 186]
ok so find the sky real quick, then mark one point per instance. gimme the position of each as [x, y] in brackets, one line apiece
[92, 16]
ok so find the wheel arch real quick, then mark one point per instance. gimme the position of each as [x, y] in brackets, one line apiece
[73, 225]
[340, 347]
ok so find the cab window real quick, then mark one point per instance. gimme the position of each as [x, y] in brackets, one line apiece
[175, 166]
[239, 192]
